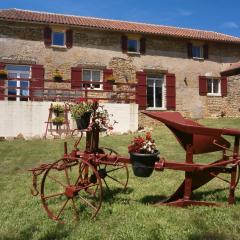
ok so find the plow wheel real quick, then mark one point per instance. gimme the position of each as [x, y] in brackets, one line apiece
[113, 175]
[71, 189]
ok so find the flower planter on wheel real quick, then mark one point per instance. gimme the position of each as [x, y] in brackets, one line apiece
[143, 163]
[83, 122]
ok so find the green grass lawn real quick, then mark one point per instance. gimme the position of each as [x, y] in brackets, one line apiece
[127, 215]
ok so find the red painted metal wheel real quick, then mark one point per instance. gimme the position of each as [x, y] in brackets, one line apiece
[113, 175]
[71, 187]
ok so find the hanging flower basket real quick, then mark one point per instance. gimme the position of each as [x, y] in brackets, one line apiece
[3, 74]
[143, 155]
[58, 121]
[58, 109]
[57, 76]
[143, 163]
[84, 121]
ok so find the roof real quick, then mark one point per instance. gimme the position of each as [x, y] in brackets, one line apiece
[234, 69]
[19, 15]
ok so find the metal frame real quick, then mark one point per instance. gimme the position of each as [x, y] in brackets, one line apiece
[193, 137]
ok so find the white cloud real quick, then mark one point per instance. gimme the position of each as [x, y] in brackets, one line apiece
[183, 12]
[230, 24]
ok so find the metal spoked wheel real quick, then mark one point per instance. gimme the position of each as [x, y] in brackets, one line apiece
[71, 187]
[116, 175]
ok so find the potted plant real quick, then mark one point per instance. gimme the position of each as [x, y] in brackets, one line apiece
[58, 121]
[3, 74]
[58, 109]
[102, 120]
[57, 76]
[143, 155]
[81, 111]
[110, 79]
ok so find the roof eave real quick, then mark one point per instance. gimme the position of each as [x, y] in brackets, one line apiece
[122, 31]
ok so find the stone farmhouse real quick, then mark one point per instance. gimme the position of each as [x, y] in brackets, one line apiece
[158, 67]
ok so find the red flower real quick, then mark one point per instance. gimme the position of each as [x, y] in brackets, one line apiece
[79, 100]
[148, 136]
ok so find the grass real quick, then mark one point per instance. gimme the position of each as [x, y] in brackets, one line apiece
[127, 215]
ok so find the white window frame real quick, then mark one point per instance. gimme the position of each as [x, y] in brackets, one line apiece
[64, 39]
[138, 46]
[18, 83]
[92, 82]
[201, 52]
[164, 93]
[219, 87]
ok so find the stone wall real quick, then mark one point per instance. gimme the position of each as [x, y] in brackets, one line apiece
[226, 106]
[23, 43]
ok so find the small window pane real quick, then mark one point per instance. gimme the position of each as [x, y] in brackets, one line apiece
[24, 75]
[215, 86]
[58, 38]
[132, 45]
[12, 75]
[150, 93]
[96, 78]
[18, 68]
[209, 85]
[86, 77]
[12, 90]
[197, 51]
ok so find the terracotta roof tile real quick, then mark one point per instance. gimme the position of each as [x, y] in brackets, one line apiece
[115, 25]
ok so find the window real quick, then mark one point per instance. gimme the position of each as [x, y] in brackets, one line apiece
[58, 39]
[18, 84]
[213, 87]
[156, 93]
[92, 76]
[197, 51]
[133, 45]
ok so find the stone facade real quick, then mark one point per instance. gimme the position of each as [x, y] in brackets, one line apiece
[23, 43]
[226, 106]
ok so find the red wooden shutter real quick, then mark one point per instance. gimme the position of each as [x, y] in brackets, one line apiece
[69, 38]
[124, 42]
[224, 86]
[47, 36]
[143, 45]
[171, 91]
[37, 81]
[141, 90]
[189, 47]
[76, 77]
[205, 51]
[106, 74]
[202, 85]
[2, 82]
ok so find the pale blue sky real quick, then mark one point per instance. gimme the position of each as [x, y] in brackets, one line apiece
[214, 15]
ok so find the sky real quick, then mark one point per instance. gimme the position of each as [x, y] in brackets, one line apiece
[213, 15]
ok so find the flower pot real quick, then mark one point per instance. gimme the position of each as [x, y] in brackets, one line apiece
[143, 163]
[57, 123]
[58, 79]
[83, 122]
[58, 112]
[3, 76]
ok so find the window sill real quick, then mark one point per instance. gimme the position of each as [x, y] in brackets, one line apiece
[214, 95]
[58, 47]
[198, 59]
[156, 109]
[134, 53]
